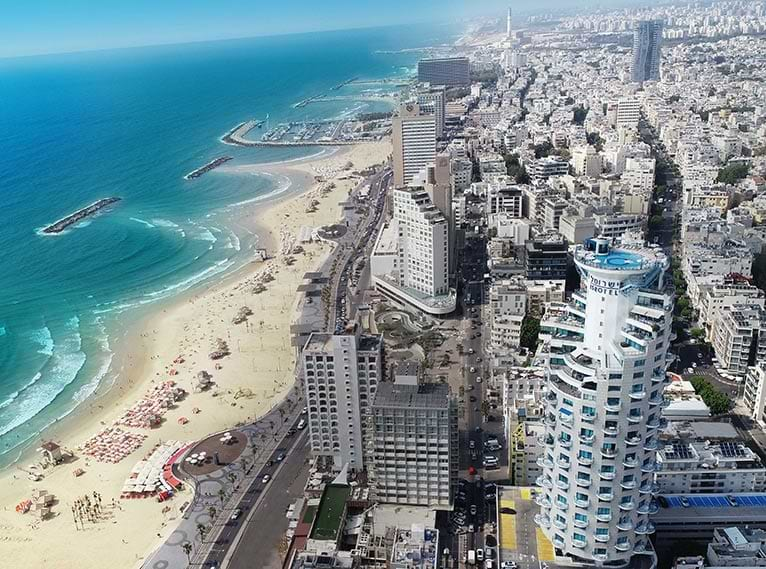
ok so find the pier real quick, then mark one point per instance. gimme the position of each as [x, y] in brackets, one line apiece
[207, 167]
[79, 215]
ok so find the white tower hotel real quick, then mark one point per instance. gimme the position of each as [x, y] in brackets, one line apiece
[605, 371]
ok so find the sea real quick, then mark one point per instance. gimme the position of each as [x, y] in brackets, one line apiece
[131, 123]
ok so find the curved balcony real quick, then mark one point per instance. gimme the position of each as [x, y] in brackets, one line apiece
[589, 417]
[566, 419]
[628, 484]
[550, 420]
[606, 497]
[601, 537]
[562, 484]
[544, 462]
[608, 452]
[629, 462]
[653, 424]
[579, 543]
[586, 438]
[651, 508]
[627, 506]
[658, 378]
[604, 517]
[542, 520]
[546, 440]
[563, 506]
[649, 488]
[650, 466]
[607, 475]
[633, 441]
[559, 524]
[640, 547]
[635, 418]
[656, 400]
[622, 546]
[626, 525]
[583, 482]
[581, 503]
[652, 445]
[582, 524]
[566, 443]
[637, 395]
[563, 464]
[611, 431]
[645, 528]
[543, 501]
[551, 396]
[585, 460]
[544, 481]
[613, 408]
[557, 541]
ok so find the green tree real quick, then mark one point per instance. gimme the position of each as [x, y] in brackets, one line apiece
[530, 330]
[733, 173]
[187, 547]
[759, 271]
[543, 149]
[579, 115]
[718, 402]
[697, 333]
[655, 221]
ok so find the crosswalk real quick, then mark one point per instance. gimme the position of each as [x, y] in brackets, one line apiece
[508, 526]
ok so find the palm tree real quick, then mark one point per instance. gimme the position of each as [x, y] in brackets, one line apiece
[245, 463]
[222, 495]
[281, 416]
[232, 477]
[201, 531]
[187, 547]
[212, 512]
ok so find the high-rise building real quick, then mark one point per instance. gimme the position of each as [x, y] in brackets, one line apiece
[341, 373]
[449, 71]
[414, 141]
[413, 442]
[647, 38]
[546, 259]
[423, 242]
[432, 100]
[605, 361]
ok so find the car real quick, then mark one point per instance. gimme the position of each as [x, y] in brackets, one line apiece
[489, 553]
[694, 365]
[269, 462]
[235, 515]
[508, 511]
[490, 460]
[472, 399]
[472, 369]
[291, 432]
[266, 478]
[304, 411]
[689, 370]
[301, 424]
[473, 509]
[685, 502]
[472, 444]
[471, 351]
[280, 457]
[479, 359]
[469, 388]
[479, 555]
[508, 565]
[732, 500]
[478, 379]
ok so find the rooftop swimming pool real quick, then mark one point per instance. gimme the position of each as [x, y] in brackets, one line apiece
[615, 259]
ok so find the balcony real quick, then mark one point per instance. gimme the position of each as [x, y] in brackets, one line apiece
[581, 503]
[640, 547]
[580, 523]
[543, 501]
[607, 475]
[566, 443]
[658, 378]
[637, 395]
[558, 541]
[563, 464]
[613, 407]
[550, 420]
[604, 517]
[606, 497]
[653, 424]
[585, 460]
[629, 462]
[635, 418]
[656, 400]
[590, 417]
[601, 557]
[566, 419]
[627, 506]
[601, 537]
[544, 462]
[579, 543]
[586, 439]
[645, 528]
[583, 482]
[628, 484]
[609, 452]
[649, 488]
[650, 466]
[548, 441]
[559, 524]
[625, 525]
[611, 431]
[562, 484]
[542, 520]
[544, 481]
[651, 508]
[633, 441]
[563, 506]
[622, 546]
[651, 445]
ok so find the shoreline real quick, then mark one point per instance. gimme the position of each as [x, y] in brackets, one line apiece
[260, 370]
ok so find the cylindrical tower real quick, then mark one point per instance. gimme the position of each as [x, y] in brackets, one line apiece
[606, 358]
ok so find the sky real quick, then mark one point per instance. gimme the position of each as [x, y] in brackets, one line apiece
[31, 27]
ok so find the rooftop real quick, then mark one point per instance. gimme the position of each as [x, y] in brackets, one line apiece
[330, 513]
[423, 396]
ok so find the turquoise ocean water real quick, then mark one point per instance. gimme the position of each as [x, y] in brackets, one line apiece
[130, 123]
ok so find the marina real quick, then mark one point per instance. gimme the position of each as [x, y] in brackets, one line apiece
[309, 133]
[212, 165]
[79, 215]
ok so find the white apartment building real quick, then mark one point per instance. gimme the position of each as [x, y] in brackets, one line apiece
[739, 337]
[413, 138]
[508, 305]
[754, 395]
[605, 363]
[423, 242]
[576, 228]
[614, 226]
[628, 112]
[553, 210]
[518, 231]
[541, 293]
[502, 198]
[586, 161]
[704, 467]
[534, 201]
[413, 444]
[548, 167]
[714, 298]
[526, 450]
[639, 174]
[341, 373]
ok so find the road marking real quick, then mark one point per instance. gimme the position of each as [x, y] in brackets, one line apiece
[544, 546]
[508, 526]
[526, 494]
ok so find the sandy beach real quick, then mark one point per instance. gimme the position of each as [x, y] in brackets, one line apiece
[252, 379]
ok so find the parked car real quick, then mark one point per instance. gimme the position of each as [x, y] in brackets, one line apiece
[266, 478]
[235, 515]
[280, 457]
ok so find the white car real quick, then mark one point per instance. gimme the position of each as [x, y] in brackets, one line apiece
[473, 370]
[266, 478]
[478, 380]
